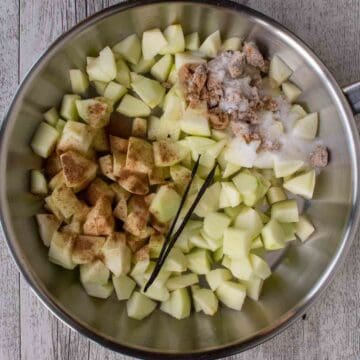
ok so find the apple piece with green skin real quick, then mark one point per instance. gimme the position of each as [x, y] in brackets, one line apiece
[175, 40]
[187, 58]
[215, 223]
[114, 91]
[153, 41]
[211, 45]
[249, 219]
[278, 70]
[47, 224]
[51, 116]
[303, 184]
[122, 73]
[168, 152]
[68, 107]
[210, 200]
[306, 127]
[304, 228]
[192, 41]
[194, 122]
[176, 261]
[124, 286]
[285, 211]
[229, 195]
[273, 235]
[284, 168]
[291, 91]
[182, 281]
[129, 48]
[60, 251]
[38, 184]
[150, 91]
[206, 300]
[139, 306]
[161, 69]
[133, 107]
[216, 277]
[241, 268]
[231, 294]
[199, 261]
[233, 43]
[253, 287]
[237, 242]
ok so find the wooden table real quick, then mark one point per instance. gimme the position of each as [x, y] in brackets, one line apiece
[331, 329]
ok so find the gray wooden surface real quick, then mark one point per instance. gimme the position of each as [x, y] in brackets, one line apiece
[332, 327]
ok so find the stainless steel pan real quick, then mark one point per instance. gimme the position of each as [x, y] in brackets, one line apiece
[298, 278]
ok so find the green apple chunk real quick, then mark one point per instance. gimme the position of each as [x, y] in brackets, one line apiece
[179, 304]
[96, 112]
[183, 242]
[306, 127]
[44, 140]
[199, 261]
[233, 43]
[153, 41]
[143, 66]
[60, 251]
[303, 184]
[161, 69]
[176, 261]
[101, 291]
[95, 272]
[230, 169]
[247, 185]
[173, 75]
[129, 48]
[198, 145]
[102, 68]
[233, 212]
[175, 40]
[253, 287]
[218, 254]
[279, 71]
[257, 243]
[139, 306]
[237, 242]
[165, 204]
[139, 155]
[211, 45]
[283, 168]
[260, 267]
[192, 41]
[195, 122]
[215, 224]
[51, 116]
[203, 241]
[216, 277]
[298, 110]
[124, 286]
[168, 152]
[114, 91]
[206, 300]
[156, 291]
[231, 294]
[79, 81]
[241, 153]
[133, 107]
[289, 231]
[229, 195]
[210, 200]
[226, 262]
[156, 243]
[194, 288]
[150, 91]
[68, 107]
[285, 211]
[100, 87]
[273, 235]
[187, 58]
[275, 194]
[249, 219]
[122, 73]
[38, 184]
[241, 268]
[304, 228]
[181, 177]
[47, 224]
[291, 91]
[182, 281]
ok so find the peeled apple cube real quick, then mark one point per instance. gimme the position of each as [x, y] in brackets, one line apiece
[149, 90]
[253, 287]
[199, 261]
[143, 66]
[230, 169]
[168, 152]
[129, 48]
[210, 200]
[100, 87]
[298, 110]
[285, 211]
[79, 81]
[284, 168]
[198, 145]
[179, 304]
[124, 286]
[96, 112]
[226, 262]
[103, 68]
[260, 267]
[237, 242]
[175, 40]
[306, 127]
[182, 281]
[241, 268]
[291, 91]
[114, 91]
[101, 291]
[192, 41]
[176, 261]
[289, 231]
[157, 291]
[47, 224]
[38, 183]
[249, 219]
[207, 242]
[187, 58]
[122, 73]
[161, 69]
[44, 140]
[133, 107]
[183, 242]
[241, 153]
[279, 71]
[51, 116]
[215, 224]
[304, 228]
[231, 294]
[207, 301]
[153, 41]
[273, 235]
[216, 277]
[275, 194]
[233, 212]
[233, 43]
[60, 251]
[229, 195]
[68, 107]
[257, 243]
[195, 123]
[211, 45]
[247, 185]
[303, 184]
[60, 126]
[139, 306]
[218, 254]
[95, 273]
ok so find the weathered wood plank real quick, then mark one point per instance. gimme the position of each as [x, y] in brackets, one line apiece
[9, 283]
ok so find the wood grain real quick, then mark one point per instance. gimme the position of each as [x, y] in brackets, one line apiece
[331, 330]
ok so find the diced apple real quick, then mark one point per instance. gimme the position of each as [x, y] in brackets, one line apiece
[233, 212]
[275, 194]
[257, 243]
[195, 123]
[60, 251]
[175, 40]
[51, 116]
[103, 68]
[210, 200]
[237, 242]
[173, 75]
[38, 184]
[218, 254]
[303, 184]
[153, 41]
[114, 91]
[124, 286]
[51, 206]
[95, 273]
[192, 41]
[231, 294]
[187, 58]
[179, 304]
[198, 145]
[284, 168]
[48, 224]
[133, 107]
[66, 201]
[230, 169]
[226, 262]
[215, 224]
[100, 87]
[122, 73]
[247, 185]
[289, 231]
[211, 45]
[150, 91]
[79, 81]
[298, 110]
[87, 248]
[229, 195]
[143, 66]
[273, 235]
[253, 287]
[207, 301]
[241, 153]
[304, 228]
[291, 91]
[139, 306]
[260, 267]
[279, 71]
[241, 268]
[192, 227]
[44, 140]
[96, 112]
[134, 182]
[285, 211]
[161, 69]
[68, 107]
[176, 261]
[139, 156]
[233, 43]
[182, 281]
[139, 127]
[168, 153]
[199, 261]
[306, 127]
[129, 48]
[249, 219]
[101, 291]
[203, 241]
[216, 277]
